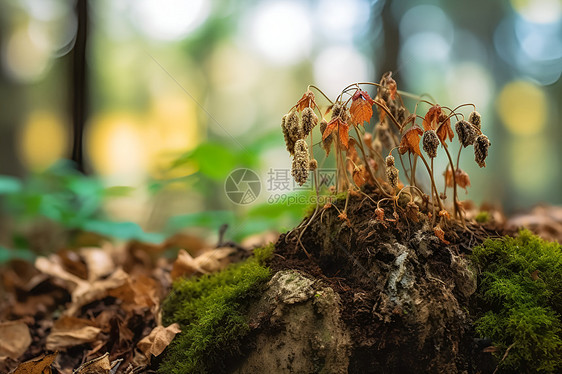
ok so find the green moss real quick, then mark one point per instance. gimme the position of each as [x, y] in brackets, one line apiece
[521, 292]
[482, 217]
[211, 313]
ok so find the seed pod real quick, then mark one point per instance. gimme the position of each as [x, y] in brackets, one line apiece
[475, 119]
[391, 172]
[300, 162]
[481, 145]
[289, 143]
[309, 120]
[312, 165]
[326, 143]
[294, 126]
[340, 110]
[430, 143]
[466, 131]
[389, 160]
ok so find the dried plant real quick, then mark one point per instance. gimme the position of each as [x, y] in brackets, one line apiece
[359, 153]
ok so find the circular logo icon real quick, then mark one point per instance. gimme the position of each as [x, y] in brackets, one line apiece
[242, 186]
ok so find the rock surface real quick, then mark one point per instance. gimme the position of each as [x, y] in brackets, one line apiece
[300, 329]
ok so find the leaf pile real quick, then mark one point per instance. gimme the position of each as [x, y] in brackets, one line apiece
[96, 309]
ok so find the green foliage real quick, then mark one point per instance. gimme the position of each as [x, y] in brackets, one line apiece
[210, 311]
[68, 198]
[482, 217]
[521, 289]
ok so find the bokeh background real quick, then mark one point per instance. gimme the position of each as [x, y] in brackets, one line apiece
[172, 95]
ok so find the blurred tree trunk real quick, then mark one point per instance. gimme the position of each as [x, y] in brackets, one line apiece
[391, 41]
[79, 83]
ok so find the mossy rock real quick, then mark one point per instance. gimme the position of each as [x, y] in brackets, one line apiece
[520, 292]
[211, 311]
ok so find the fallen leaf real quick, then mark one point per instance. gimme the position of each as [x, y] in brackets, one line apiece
[215, 259]
[71, 331]
[99, 365]
[535, 275]
[440, 234]
[184, 265]
[431, 117]
[15, 339]
[138, 291]
[159, 338]
[38, 365]
[98, 261]
[361, 108]
[411, 141]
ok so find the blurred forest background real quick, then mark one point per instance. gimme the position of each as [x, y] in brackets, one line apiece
[158, 101]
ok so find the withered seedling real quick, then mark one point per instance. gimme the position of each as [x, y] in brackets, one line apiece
[364, 158]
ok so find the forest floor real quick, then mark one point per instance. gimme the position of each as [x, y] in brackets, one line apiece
[97, 309]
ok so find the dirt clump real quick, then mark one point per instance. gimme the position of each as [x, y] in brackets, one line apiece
[404, 293]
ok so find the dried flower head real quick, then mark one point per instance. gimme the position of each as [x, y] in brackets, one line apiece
[327, 142]
[466, 131]
[430, 143]
[300, 162]
[391, 172]
[389, 160]
[289, 143]
[312, 165]
[294, 126]
[309, 120]
[475, 119]
[340, 110]
[481, 145]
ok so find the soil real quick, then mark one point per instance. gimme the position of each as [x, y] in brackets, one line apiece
[404, 293]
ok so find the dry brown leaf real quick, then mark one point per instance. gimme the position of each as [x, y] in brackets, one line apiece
[82, 291]
[99, 365]
[411, 141]
[38, 365]
[70, 331]
[184, 265]
[361, 108]
[15, 339]
[98, 261]
[382, 108]
[462, 178]
[159, 338]
[431, 118]
[307, 100]
[445, 131]
[440, 234]
[360, 175]
[139, 291]
[215, 259]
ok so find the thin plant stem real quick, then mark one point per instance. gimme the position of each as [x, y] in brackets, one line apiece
[367, 165]
[432, 182]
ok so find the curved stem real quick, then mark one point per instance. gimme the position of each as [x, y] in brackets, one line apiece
[319, 90]
[455, 202]
[367, 165]
[432, 182]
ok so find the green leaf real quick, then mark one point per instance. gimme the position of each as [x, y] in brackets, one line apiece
[118, 191]
[121, 230]
[9, 185]
[212, 219]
